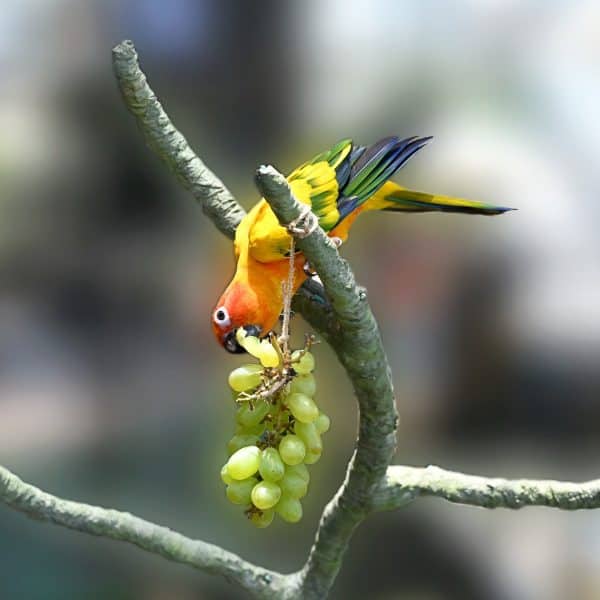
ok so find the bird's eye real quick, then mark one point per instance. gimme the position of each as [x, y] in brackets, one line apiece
[221, 317]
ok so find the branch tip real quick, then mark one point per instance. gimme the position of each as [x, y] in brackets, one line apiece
[404, 484]
[126, 47]
[170, 145]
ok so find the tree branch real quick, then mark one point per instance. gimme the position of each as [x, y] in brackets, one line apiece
[150, 537]
[341, 313]
[351, 330]
[403, 485]
[170, 145]
[216, 200]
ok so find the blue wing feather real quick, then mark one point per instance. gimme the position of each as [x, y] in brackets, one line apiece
[365, 170]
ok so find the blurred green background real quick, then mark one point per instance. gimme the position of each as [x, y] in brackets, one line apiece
[112, 390]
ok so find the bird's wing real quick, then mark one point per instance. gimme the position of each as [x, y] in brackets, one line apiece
[335, 183]
[367, 169]
[314, 183]
[318, 182]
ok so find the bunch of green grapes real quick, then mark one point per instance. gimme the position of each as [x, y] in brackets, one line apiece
[278, 432]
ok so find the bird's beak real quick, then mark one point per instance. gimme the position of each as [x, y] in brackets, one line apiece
[230, 342]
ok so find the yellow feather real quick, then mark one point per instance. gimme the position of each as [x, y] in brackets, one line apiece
[267, 240]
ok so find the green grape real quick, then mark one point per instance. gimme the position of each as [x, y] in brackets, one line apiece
[241, 441]
[293, 484]
[225, 476]
[308, 433]
[263, 350]
[238, 492]
[273, 480]
[267, 354]
[299, 470]
[304, 384]
[312, 457]
[249, 343]
[262, 519]
[254, 430]
[250, 416]
[289, 509]
[305, 365]
[243, 463]
[292, 450]
[271, 466]
[302, 407]
[265, 494]
[322, 423]
[245, 378]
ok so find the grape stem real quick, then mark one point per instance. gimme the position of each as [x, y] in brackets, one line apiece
[272, 384]
[288, 288]
[342, 315]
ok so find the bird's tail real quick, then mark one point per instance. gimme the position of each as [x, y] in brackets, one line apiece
[393, 197]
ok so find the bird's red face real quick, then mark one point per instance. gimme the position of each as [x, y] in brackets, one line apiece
[253, 300]
[237, 307]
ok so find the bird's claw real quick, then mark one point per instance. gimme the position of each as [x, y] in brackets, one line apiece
[308, 270]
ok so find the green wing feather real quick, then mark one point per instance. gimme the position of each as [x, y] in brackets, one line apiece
[316, 183]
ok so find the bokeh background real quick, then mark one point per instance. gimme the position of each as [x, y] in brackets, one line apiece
[111, 388]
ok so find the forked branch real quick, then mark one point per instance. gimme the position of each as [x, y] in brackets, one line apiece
[344, 319]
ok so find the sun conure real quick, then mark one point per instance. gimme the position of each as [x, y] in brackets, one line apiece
[338, 185]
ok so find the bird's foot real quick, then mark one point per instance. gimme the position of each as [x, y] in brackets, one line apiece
[310, 272]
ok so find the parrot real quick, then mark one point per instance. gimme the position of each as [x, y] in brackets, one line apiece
[337, 185]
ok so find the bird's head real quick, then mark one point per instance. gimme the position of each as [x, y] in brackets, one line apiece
[237, 308]
[253, 300]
